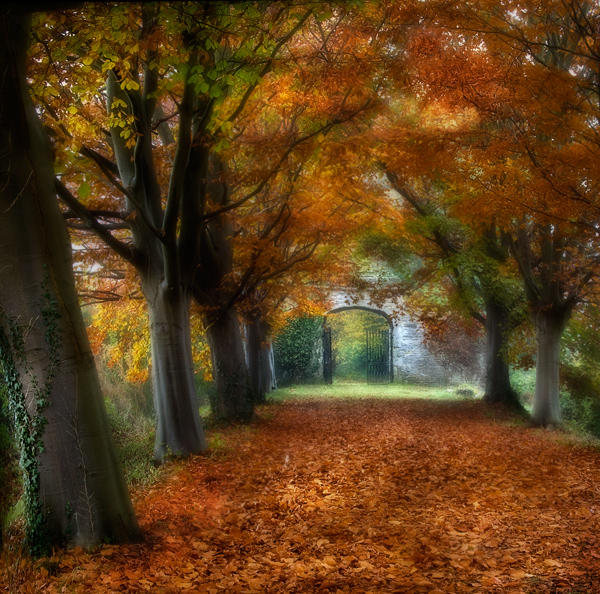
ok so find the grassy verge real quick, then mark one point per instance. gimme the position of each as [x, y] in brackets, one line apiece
[363, 390]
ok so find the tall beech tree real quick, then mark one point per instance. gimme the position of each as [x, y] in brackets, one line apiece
[74, 488]
[474, 265]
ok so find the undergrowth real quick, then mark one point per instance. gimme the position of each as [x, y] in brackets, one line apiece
[134, 440]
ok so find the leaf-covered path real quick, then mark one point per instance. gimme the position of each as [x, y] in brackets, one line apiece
[361, 496]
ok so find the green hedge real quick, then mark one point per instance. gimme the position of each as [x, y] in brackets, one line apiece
[297, 350]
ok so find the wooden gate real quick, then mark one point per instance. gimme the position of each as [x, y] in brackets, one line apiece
[379, 354]
[327, 356]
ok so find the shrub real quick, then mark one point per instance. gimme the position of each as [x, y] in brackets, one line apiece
[583, 412]
[297, 349]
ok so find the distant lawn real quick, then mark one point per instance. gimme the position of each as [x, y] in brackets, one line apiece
[364, 390]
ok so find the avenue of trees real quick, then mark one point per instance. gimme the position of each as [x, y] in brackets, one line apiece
[215, 166]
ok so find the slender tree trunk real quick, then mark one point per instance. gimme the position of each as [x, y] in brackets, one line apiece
[179, 429]
[233, 399]
[497, 380]
[253, 341]
[74, 485]
[546, 403]
[267, 367]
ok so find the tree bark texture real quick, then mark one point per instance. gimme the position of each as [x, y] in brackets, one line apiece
[552, 304]
[179, 430]
[546, 404]
[260, 358]
[497, 380]
[82, 492]
[253, 332]
[267, 369]
[233, 399]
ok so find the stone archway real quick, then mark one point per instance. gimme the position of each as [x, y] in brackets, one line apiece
[411, 360]
[378, 346]
[368, 308]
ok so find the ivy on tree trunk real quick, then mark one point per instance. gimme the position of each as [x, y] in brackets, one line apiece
[74, 486]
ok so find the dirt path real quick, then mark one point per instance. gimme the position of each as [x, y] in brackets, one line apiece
[361, 496]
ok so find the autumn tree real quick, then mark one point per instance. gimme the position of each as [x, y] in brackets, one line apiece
[74, 487]
[476, 266]
[530, 163]
[244, 80]
[292, 228]
[188, 73]
[415, 141]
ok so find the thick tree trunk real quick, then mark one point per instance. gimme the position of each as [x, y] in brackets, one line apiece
[497, 380]
[179, 429]
[166, 246]
[546, 403]
[233, 399]
[67, 450]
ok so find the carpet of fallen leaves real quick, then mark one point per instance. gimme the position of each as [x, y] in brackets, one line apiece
[405, 496]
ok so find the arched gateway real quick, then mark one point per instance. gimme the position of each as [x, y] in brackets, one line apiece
[398, 354]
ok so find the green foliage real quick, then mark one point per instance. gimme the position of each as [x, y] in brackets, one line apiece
[6, 440]
[580, 375]
[29, 428]
[8, 463]
[523, 382]
[296, 349]
[217, 442]
[397, 253]
[583, 412]
[349, 341]
[580, 354]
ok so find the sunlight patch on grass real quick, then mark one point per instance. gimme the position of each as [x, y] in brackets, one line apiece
[363, 390]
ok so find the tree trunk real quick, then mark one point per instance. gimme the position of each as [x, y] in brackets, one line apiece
[179, 429]
[253, 335]
[497, 379]
[267, 368]
[260, 358]
[233, 399]
[546, 403]
[74, 485]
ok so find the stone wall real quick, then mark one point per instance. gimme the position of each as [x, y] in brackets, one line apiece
[412, 361]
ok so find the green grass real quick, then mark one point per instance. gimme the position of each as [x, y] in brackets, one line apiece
[363, 390]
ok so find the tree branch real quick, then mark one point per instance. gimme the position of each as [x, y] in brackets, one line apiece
[122, 249]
